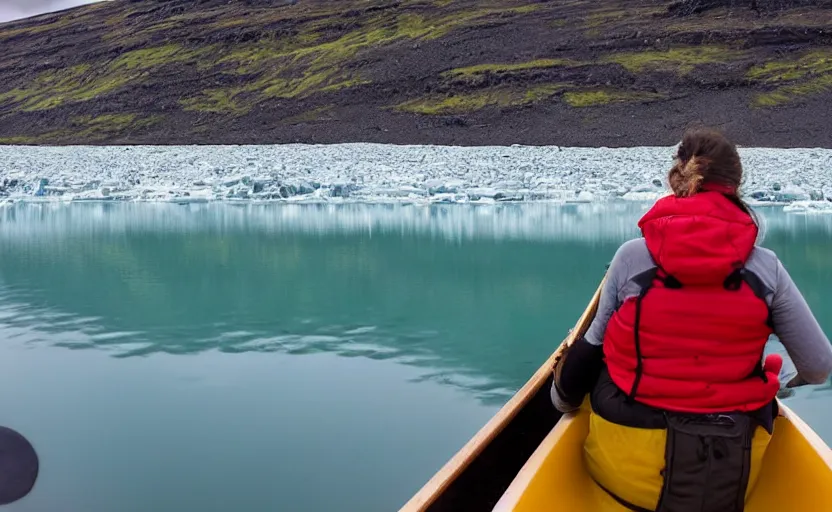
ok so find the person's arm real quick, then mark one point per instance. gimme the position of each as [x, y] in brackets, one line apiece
[578, 369]
[799, 332]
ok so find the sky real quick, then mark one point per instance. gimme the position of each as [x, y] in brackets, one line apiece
[15, 9]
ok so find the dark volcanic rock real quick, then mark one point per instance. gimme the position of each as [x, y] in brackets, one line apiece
[414, 72]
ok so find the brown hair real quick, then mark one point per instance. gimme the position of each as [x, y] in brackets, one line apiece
[704, 157]
[707, 158]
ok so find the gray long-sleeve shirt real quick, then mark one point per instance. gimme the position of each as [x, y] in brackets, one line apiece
[794, 324]
[808, 351]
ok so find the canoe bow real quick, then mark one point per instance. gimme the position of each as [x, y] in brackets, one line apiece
[434, 488]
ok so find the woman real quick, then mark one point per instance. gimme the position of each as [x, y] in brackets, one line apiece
[682, 403]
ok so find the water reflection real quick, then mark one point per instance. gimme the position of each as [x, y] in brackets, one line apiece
[504, 221]
[475, 295]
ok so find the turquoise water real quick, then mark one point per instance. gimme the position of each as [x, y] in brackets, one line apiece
[296, 357]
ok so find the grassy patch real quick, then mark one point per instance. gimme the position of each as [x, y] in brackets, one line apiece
[105, 122]
[682, 60]
[34, 29]
[247, 59]
[463, 103]
[344, 84]
[53, 88]
[88, 128]
[17, 140]
[296, 68]
[84, 82]
[107, 125]
[148, 58]
[217, 101]
[319, 82]
[509, 68]
[812, 64]
[580, 99]
[808, 75]
[540, 93]
[316, 58]
[794, 92]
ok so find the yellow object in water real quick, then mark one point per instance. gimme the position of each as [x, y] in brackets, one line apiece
[795, 473]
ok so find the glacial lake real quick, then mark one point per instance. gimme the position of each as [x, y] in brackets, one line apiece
[316, 357]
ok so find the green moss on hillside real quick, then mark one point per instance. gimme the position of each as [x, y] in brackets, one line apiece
[91, 128]
[807, 75]
[105, 126]
[543, 92]
[814, 63]
[20, 140]
[33, 29]
[682, 60]
[462, 103]
[509, 68]
[235, 58]
[597, 98]
[310, 61]
[795, 92]
[56, 87]
[149, 58]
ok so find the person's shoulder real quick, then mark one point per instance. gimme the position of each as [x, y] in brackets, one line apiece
[765, 264]
[633, 249]
[631, 256]
[763, 255]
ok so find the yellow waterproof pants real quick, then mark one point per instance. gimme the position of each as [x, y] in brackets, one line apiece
[628, 461]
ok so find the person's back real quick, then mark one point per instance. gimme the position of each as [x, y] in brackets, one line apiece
[673, 361]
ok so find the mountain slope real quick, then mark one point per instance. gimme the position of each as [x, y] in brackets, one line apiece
[573, 72]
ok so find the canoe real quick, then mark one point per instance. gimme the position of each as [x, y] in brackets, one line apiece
[529, 457]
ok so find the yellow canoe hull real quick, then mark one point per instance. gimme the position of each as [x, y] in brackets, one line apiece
[486, 474]
[796, 474]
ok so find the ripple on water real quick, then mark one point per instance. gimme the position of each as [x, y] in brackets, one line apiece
[32, 326]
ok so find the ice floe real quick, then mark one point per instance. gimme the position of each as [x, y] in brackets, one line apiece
[388, 173]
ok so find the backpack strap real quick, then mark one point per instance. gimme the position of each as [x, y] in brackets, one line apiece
[742, 275]
[733, 283]
[646, 280]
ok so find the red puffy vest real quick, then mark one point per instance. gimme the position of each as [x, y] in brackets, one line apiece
[693, 342]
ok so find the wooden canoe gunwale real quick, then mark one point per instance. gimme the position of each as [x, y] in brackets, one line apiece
[434, 488]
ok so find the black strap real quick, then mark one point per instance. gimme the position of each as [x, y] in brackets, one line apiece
[645, 280]
[670, 282]
[743, 275]
[733, 283]
[636, 339]
[760, 290]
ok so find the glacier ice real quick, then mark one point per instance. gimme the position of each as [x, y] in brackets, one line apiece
[386, 173]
